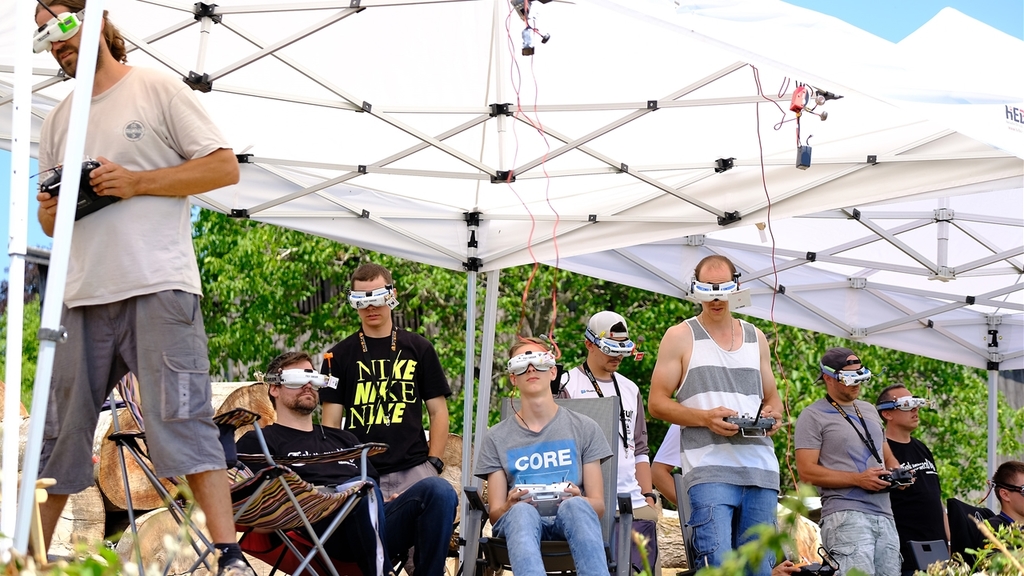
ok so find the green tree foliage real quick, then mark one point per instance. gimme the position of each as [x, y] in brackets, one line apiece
[268, 289]
[29, 348]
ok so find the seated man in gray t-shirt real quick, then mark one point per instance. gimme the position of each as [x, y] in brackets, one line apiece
[841, 448]
[544, 444]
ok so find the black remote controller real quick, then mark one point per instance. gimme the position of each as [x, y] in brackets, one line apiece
[88, 200]
[750, 426]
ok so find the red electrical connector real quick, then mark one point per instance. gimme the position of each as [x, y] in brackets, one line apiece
[800, 99]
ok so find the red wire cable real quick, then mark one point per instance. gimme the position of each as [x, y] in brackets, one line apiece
[775, 271]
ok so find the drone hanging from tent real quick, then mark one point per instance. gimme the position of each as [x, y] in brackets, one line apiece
[803, 101]
[523, 9]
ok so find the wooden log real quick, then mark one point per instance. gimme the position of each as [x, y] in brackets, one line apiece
[22, 411]
[81, 522]
[144, 495]
[161, 539]
[252, 397]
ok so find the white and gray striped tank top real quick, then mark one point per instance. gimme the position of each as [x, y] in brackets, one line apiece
[717, 377]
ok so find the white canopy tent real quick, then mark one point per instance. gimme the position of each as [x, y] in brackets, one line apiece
[612, 137]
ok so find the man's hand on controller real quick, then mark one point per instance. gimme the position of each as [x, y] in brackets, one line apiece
[112, 179]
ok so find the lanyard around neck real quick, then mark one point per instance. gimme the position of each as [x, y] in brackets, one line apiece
[622, 411]
[868, 441]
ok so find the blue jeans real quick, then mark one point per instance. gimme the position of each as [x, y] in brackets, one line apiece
[575, 522]
[721, 515]
[423, 516]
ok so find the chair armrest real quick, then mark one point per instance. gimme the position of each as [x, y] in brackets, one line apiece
[473, 497]
[624, 536]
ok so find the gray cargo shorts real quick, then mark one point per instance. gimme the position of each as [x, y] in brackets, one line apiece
[160, 338]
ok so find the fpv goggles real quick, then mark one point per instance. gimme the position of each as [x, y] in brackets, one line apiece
[906, 404]
[611, 347]
[848, 377]
[385, 296]
[298, 377]
[62, 27]
[541, 361]
[707, 292]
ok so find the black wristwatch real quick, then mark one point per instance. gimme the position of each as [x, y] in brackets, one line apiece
[651, 495]
[437, 463]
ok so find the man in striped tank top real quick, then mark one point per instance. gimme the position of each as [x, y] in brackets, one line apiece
[716, 366]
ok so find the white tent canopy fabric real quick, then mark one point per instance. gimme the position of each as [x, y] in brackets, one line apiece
[383, 124]
[937, 277]
[375, 128]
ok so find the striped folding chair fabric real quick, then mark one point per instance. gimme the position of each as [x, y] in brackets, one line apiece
[129, 442]
[276, 500]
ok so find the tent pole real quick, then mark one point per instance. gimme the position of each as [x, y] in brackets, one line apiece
[467, 384]
[18, 233]
[50, 329]
[483, 406]
[993, 429]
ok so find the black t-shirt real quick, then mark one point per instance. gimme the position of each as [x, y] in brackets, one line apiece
[383, 394]
[917, 509]
[285, 441]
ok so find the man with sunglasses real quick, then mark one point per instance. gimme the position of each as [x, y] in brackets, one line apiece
[1008, 483]
[386, 377]
[712, 367]
[420, 517]
[841, 449]
[918, 509]
[607, 341]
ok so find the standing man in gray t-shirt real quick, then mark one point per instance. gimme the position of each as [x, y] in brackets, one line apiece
[841, 449]
[132, 297]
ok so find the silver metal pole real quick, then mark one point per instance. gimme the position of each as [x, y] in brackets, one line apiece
[50, 327]
[468, 380]
[483, 406]
[993, 430]
[17, 243]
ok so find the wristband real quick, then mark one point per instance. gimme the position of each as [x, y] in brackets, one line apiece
[650, 495]
[436, 462]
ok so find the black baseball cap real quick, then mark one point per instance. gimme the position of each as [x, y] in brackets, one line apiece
[836, 359]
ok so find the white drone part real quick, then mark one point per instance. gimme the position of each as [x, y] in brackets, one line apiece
[610, 347]
[709, 292]
[906, 404]
[385, 296]
[848, 377]
[58, 29]
[297, 378]
[541, 361]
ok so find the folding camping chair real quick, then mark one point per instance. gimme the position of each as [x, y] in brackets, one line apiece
[963, 532]
[556, 554]
[131, 442]
[928, 553]
[277, 509]
[683, 503]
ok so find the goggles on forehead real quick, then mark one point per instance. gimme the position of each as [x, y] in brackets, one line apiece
[298, 377]
[848, 377]
[708, 292]
[611, 347]
[906, 404]
[385, 296]
[62, 27]
[541, 361]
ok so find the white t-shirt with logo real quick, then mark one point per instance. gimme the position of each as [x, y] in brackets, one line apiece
[579, 386]
[141, 245]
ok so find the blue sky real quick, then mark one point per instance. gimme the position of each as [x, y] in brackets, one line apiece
[889, 19]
